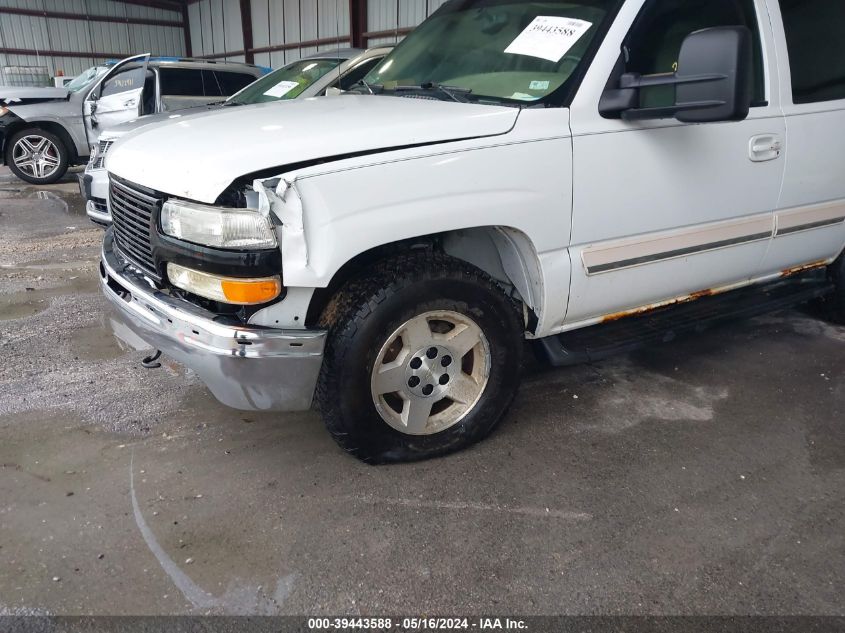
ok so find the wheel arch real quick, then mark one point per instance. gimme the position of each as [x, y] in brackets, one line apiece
[48, 126]
[506, 254]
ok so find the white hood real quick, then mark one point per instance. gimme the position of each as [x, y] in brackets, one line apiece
[149, 119]
[197, 157]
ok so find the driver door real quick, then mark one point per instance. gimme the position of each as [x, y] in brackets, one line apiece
[662, 209]
[117, 98]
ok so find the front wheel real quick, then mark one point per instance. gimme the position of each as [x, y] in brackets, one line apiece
[423, 358]
[37, 156]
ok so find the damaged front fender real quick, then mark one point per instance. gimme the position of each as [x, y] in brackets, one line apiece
[280, 199]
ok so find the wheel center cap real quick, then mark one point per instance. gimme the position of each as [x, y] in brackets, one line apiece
[430, 371]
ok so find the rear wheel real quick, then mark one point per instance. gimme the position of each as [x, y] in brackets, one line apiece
[423, 358]
[835, 303]
[37, 156]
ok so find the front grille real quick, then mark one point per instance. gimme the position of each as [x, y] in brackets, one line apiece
[101, 154]
[133, 212]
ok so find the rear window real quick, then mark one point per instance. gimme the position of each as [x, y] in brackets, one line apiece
[816, 52]
[193, 82]
[181, 82]
[227, 83]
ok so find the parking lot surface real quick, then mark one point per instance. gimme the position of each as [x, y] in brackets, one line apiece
[705, 476]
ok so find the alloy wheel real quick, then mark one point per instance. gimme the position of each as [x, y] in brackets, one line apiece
[430, 372]
[36, 156]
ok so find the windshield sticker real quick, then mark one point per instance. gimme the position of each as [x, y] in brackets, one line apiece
[549, 37]
[538, 85]
[281, 89]
[523, 97]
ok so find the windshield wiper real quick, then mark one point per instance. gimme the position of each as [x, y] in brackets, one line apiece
[453, 92]
[226, 103]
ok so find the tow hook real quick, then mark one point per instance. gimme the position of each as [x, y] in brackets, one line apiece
[151, 362]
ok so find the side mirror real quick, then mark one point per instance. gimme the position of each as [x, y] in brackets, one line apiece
[713, 81]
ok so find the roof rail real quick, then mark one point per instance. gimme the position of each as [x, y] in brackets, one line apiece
[200, 60]
[174, 59]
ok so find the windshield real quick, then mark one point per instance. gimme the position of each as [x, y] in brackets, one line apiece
[499, 49]
[85, 78]
[286, 83]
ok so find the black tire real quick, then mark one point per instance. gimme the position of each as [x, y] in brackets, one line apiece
[54, 143]
[835, 304]
[360, 319]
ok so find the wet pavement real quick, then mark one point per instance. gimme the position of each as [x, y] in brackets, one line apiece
[706, 476]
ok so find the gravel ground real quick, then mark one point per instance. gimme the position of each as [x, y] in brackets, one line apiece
[61, 348]
[706, 476]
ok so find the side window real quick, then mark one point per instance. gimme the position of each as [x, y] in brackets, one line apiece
[212, 84]
[816, 55]
[228, 83]
[358, 73]
[654, 43]
[123, 81]
[181, 82]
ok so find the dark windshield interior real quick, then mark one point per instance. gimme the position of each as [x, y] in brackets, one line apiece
[499, 49]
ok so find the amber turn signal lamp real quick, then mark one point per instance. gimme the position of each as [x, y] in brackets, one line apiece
[251, 291]
[225, 289]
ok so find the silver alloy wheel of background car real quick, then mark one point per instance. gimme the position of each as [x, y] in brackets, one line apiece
[36, 156]
[430, 372]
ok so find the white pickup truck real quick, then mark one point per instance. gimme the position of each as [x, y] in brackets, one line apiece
[511, 170]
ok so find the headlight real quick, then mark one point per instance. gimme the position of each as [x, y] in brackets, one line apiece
[217, 227]
[95, 150]
[225, 289]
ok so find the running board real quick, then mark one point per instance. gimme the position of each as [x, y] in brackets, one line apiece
[663, 325]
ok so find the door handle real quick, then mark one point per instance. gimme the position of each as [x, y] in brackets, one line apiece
[131, 103]
[765, 147]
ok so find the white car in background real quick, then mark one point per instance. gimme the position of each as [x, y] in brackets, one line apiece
[311, 76]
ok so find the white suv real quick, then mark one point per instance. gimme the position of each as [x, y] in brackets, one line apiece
[511, 170]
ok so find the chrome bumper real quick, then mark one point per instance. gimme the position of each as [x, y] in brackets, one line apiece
[245, 367]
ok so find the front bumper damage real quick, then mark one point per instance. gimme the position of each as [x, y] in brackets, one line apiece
[245, 367]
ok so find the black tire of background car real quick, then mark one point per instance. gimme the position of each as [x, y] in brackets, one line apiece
[64, 156]
[368, 308]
